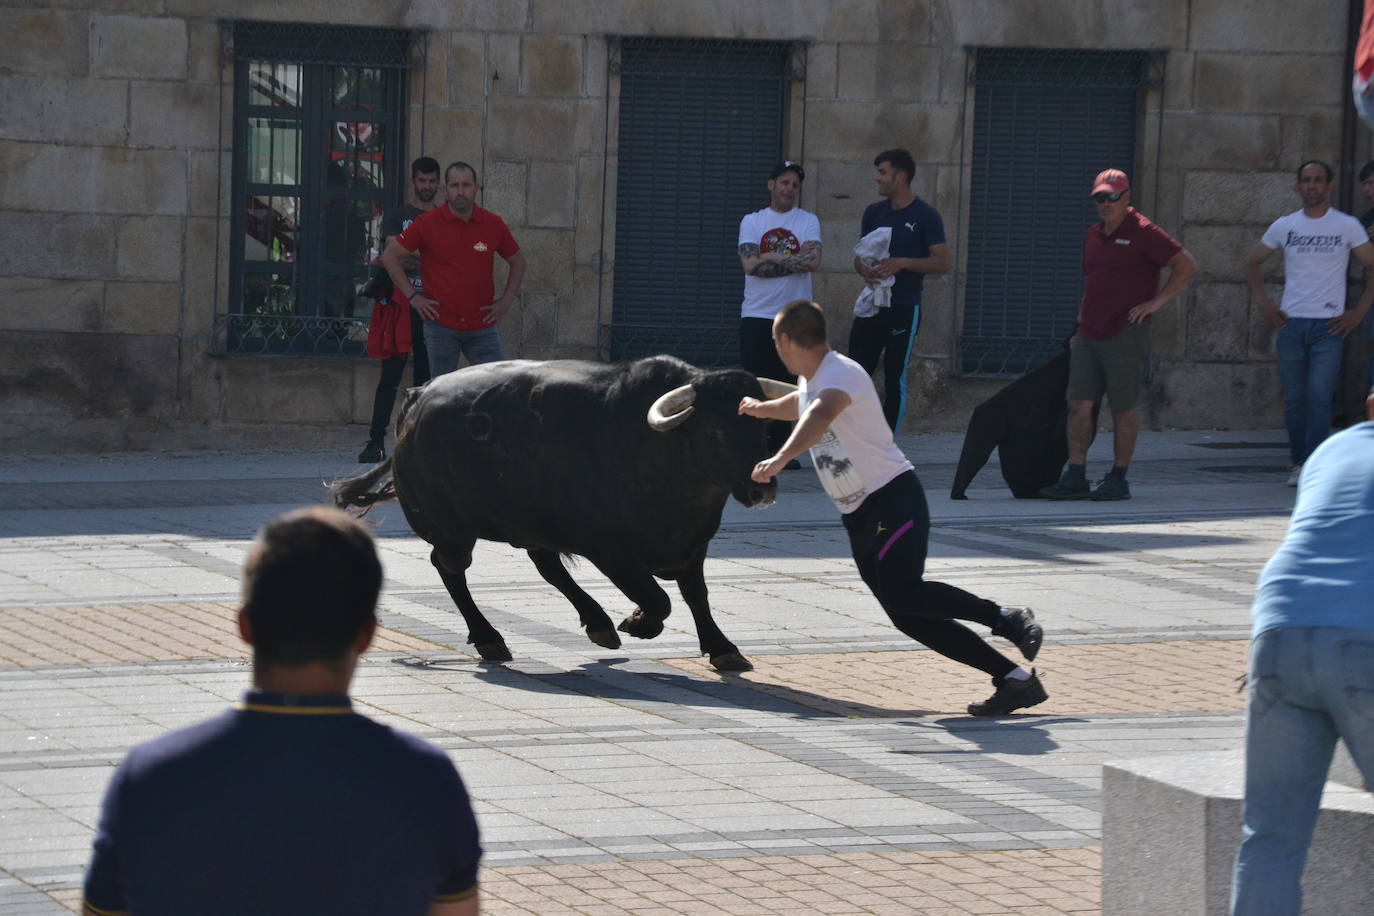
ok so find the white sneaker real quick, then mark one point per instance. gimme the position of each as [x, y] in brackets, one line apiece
[1293, 474]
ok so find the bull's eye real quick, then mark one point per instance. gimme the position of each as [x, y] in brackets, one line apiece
[479, 426]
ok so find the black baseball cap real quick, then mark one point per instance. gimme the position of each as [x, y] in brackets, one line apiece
[788, 165]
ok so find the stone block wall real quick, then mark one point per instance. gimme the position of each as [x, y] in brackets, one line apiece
[114, 126]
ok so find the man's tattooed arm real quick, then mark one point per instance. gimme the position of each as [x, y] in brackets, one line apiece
[775, 265]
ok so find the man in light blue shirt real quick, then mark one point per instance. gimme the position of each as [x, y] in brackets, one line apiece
[1311, 675]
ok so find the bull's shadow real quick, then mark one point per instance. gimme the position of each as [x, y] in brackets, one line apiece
[642, 683]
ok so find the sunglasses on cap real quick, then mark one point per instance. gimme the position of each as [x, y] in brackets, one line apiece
[1102, 197]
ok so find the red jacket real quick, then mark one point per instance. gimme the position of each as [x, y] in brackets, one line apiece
[388, 334]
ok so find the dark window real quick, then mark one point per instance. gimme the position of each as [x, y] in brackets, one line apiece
[701, 125]
[1044, 123]
[318, 128]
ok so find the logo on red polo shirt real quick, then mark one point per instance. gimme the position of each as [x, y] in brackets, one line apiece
[480, 246]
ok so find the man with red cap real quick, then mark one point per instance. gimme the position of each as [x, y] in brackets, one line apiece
[1123, 257]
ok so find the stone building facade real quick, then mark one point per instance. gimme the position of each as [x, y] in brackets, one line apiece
[117, 156]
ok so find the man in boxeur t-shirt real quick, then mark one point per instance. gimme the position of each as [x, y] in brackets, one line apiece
[1123, 257]
[1312, 320]
[779, 247]
[457, 244]
[884, 509]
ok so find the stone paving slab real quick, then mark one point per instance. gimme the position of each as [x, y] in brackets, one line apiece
[1102, 678]
[35, 636]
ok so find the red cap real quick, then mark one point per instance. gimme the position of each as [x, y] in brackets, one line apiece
[1111, 180]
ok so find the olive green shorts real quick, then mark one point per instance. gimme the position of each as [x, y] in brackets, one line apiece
[1114, 366]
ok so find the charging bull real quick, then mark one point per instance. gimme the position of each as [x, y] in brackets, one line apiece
[628, 465]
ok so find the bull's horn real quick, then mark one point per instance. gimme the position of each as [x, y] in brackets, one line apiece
[672, 409]
[772, 388]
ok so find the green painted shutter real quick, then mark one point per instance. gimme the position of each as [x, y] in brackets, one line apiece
[701, 126]
[1045, 122]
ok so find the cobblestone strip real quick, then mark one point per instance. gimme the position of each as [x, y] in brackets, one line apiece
[165, 631]
[1104, 678]
[1048, 882]
[1021, 882]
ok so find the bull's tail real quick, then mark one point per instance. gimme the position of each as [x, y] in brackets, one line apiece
[357, 491]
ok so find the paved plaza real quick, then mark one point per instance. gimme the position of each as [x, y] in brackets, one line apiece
[842, 775]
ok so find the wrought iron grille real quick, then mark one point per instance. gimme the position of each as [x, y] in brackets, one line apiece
[281, 335]
[318, 127]
[701, 125]
[1044, 123]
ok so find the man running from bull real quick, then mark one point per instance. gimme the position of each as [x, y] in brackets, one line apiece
[884, 509]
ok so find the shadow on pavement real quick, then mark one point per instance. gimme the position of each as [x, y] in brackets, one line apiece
[617, 680]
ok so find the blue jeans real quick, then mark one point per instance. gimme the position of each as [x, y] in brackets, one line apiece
[445, 346]
[1308, 685]
[1309, 367]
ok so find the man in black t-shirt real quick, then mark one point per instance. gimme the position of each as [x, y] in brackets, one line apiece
[291, 802]
[424, 188]
[1367, 186]
[917, 248]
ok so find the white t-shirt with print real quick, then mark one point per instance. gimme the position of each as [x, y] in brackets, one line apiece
[774, 231]
[857, 455]
[1316, 253]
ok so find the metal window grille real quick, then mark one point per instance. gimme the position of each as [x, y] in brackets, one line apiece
[700, 127]
[1044, 123]
[318, 139]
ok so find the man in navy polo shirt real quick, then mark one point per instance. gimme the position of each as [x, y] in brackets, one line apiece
[917, 248]
[1123, 257]
[291, 803]
[458, 244]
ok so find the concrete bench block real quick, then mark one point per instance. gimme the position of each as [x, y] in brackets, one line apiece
[1171, 825]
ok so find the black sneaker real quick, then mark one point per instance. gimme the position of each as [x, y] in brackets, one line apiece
[1020, 628]
[1011, 695]
[1112, 487]
[372, 453]
[1068, 487]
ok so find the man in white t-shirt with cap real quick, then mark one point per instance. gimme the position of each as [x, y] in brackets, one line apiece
[779, 247]
[1312, 319]
[884, 509]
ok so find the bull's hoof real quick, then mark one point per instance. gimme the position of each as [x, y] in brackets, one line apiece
[731, 661]
[641, 625]
[493, 651]
[606, 639]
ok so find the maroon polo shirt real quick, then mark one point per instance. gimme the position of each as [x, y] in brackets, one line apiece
[456, 260]
[1120, 271]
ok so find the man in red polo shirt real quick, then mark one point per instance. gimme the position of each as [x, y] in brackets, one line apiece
[1123, 257]
[458, 244]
